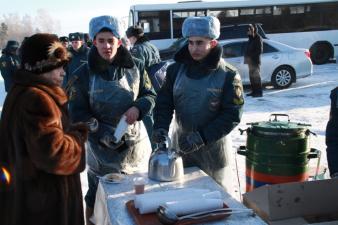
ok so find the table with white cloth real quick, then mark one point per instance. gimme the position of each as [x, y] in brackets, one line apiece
[111, 198]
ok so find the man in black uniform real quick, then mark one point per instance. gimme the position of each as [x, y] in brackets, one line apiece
[9, 63]
[332, 135]
[79, 53]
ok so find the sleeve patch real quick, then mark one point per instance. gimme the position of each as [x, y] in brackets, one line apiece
[147, 82]
[238, 89]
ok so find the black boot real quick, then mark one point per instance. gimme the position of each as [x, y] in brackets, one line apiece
[257, 94]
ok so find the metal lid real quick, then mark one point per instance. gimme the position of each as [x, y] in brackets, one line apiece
[281, 128]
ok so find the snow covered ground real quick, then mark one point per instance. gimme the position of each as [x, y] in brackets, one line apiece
[306, 101]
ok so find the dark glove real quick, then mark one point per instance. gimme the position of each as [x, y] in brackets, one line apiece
[159, 135]
[334, 176]
[190, 143]
[107, 141]
[81, 129]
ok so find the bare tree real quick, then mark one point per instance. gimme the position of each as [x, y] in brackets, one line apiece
[3, 34]
[14, 27]
[46, 23]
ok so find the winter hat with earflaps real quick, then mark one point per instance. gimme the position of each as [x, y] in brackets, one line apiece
[64, 39]
[42, 53]
[77, 36]
[12, 45]
[111, 23]
[135, 31]
[205, 26]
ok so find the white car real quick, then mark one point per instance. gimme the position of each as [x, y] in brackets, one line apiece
[281, 65]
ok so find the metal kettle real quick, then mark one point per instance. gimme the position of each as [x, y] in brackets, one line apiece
[165, 164]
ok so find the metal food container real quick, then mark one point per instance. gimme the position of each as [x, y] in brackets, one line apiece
[277, 151]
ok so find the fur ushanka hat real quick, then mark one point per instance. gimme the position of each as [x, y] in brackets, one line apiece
[205, 26]
[111, 23]
[42, 53]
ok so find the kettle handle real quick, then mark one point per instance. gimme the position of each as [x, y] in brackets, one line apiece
[165, 143]
[315, 153]
[168, 141]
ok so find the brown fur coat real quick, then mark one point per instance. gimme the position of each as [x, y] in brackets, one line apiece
[44, 154]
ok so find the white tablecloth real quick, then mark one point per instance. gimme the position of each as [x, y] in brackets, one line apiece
[110, 202]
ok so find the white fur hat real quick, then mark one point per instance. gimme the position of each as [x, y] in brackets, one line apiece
[98, 23]
[206, 26]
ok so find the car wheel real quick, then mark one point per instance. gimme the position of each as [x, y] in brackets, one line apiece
[282, 77]
[320, 53]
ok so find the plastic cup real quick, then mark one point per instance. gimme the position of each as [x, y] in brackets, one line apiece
[139, 183]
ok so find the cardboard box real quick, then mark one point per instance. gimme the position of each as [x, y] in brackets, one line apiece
[297, 203]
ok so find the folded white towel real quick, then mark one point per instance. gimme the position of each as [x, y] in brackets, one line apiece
[184, 207]
[149, 202]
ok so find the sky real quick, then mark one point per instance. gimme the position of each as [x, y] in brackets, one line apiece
[74, 15]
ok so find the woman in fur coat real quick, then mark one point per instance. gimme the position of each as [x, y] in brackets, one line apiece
[41, 154]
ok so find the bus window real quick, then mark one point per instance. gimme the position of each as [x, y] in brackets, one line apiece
[297, 9]
[247, 12]
[259, 11]
[155, 24]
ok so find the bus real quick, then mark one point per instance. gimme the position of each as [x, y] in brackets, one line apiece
[311, 24]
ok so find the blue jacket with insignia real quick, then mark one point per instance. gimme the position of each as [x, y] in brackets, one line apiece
[78, 59]
[146, 52]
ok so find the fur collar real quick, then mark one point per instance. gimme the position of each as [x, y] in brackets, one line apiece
[141, 40]
[211, 62]
[98, 65]
[28, 79]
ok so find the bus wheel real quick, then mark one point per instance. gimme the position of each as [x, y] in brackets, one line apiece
[282, 77]
[320, 53]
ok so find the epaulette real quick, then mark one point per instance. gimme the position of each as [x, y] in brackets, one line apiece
[230, 68]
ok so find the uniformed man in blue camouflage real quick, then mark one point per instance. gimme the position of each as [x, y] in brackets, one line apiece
[143, 50]
[79, 56]
[9, 63]
[332, 135]
[206, 94]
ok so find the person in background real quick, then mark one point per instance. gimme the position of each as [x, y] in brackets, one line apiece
[332, 135]
[41, 150]
[252, 57]
[79, 52]
[9, 63]
[142, 49]
[87, 40]
[65, 41]
[110, 88]
[206, 95]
